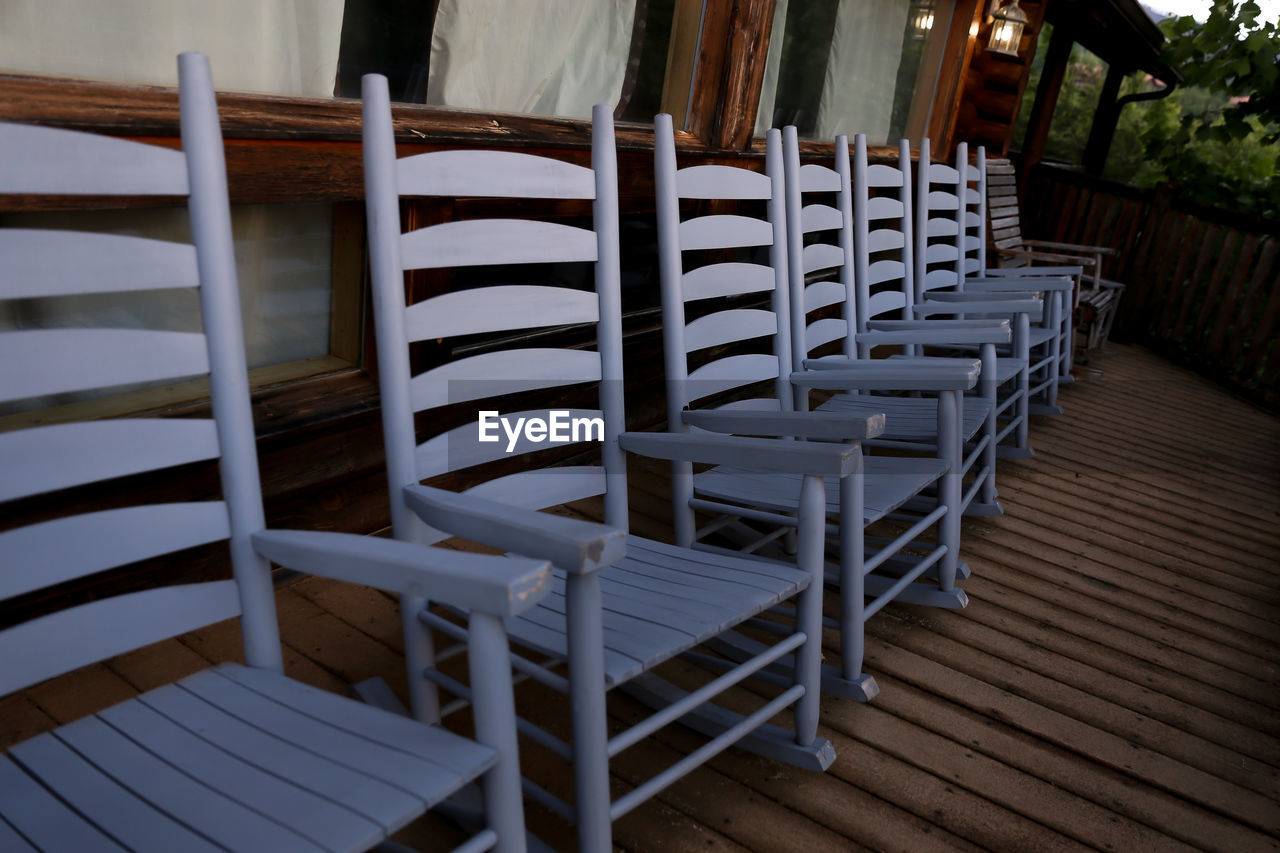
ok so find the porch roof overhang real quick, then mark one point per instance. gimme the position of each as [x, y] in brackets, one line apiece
[1118, 31]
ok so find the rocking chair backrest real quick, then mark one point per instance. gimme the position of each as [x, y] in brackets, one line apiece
[492, 309]
[949, 222]
[42, 264]
[717, 277]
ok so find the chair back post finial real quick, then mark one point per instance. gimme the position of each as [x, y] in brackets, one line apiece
[387, 276]
[386, 273]
[670, 270]
[780, 300]
[962, 193]
[671, 273]
[922, 217]
[793, 246]
[608, 275]
[982, 210]
[210, 213]
[859, 228]
[908, 233]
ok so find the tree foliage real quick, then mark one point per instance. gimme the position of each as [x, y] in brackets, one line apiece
[1216, 137]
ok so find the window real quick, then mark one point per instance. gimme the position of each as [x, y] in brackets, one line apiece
[854, 66]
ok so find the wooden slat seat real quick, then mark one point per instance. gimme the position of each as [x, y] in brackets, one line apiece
[659, 601]
[234, 758]
[914, 418]
[889, 482]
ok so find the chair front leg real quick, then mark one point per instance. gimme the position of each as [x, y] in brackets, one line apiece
[810, 558]
[950, 449]
[852, 576]
[987, 388]
[495, 724]
[592, 802]
[419, 656]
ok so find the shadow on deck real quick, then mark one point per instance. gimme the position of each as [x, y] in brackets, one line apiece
[1112, 685]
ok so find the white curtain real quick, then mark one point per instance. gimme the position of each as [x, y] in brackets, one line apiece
[862, 69]
[537, 57]
[285, 47]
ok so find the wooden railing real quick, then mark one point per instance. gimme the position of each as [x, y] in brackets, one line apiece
[1203, 282]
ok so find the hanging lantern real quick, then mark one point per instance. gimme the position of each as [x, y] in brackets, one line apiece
[921, 19]
[1008, 22]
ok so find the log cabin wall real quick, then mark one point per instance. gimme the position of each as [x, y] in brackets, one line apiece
[993, 83]
[319, 433]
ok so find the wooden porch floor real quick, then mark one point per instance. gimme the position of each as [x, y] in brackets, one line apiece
[1112, 685]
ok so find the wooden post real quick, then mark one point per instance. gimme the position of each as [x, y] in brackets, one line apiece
[1055, 70]
[1104, 122]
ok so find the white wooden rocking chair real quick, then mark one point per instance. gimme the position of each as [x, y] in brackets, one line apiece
[235, 757]
[947, 281]
[622, 604]
[876, 299]
[698, 277]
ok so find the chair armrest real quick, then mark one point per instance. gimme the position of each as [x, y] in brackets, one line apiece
[999, 284]
[576, 546]
[889, 374]
[759, 454]
[1072, 247]
[1003, 303]
[827, 426]
[1077, 260]
[489, 583]
[989, 334]
[1031, 272]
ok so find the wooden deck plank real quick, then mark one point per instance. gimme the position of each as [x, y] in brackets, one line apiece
[1114, 683]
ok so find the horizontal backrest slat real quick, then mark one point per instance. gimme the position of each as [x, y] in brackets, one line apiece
[59, 162]
[972, 220]
[36, 362]
[886, 302]
[886, 270]
[971, 196]
[40, 263]
[823, 293]
[732, 278]
[54, 644]
[506, 372]
[941, 228]
[499, 308]
[728, 373]
[934, 279]
[824, 331]
[722, 182]
[722, 327]
[43, 459]
[881, 175]
[883, 207]
[820, 217]
[480, 242]
[884, 239]
[941, 173]
[939, 252]
[820, 256]
[465, 446]
[816, 178]
[724, 231]
[63, 549]
[544, 487]
[502, 174]
[939, 200]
